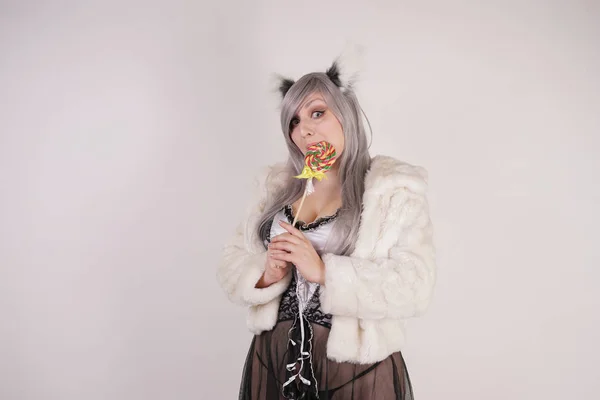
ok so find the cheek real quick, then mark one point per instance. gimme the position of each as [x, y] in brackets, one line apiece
[341, 144]
[295, 137]
[337, 135]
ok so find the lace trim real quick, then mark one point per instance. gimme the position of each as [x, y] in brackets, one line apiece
[303, 226]
[288, 307]
[269, 226]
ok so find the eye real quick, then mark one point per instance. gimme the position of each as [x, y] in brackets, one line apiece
[317, 112]
[294, 122]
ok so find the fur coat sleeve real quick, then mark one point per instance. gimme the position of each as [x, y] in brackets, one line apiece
[391, 273]
[396, 282]
[243, 257]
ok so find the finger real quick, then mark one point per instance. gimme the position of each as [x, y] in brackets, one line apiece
[288, 247]
[291, 229]
[274, 263]
[271, 252]
[288, 237]
[273, 260]
[283, 265]
[274, 256]
[284, 257]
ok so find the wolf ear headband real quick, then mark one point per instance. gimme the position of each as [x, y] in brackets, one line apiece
[343, 72]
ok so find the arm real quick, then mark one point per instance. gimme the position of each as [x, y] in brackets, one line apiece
[243, 259]
[396, 284]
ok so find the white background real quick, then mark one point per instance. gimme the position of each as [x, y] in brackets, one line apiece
[130, 131]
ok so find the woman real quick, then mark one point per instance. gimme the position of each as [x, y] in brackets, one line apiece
[328, 298]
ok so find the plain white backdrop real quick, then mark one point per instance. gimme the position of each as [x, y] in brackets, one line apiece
[130, 132]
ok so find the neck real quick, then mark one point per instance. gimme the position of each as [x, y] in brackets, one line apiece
[331, 182]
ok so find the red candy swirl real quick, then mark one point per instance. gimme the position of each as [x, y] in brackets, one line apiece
[320, 156]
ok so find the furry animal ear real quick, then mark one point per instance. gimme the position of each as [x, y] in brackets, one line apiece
[285, 85]
[333, 73]
[281, 84]
[345, 69]
[343, 72]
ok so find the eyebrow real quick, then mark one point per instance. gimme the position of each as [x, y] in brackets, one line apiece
[308, 104]
[312, 101]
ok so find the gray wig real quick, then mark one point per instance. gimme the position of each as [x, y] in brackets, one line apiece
[354, 160]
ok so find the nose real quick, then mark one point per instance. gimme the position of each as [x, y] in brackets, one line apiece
[306, 129]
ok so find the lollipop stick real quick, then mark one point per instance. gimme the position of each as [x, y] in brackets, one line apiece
[318, 159]
[300, 207]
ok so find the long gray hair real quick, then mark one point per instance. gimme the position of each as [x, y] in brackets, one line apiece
[354, 160]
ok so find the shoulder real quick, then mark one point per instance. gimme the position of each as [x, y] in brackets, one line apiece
[388, 174]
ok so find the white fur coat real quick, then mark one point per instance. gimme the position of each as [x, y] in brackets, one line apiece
[388, 278]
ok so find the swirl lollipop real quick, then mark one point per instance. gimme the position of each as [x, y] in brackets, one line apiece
[319, 159]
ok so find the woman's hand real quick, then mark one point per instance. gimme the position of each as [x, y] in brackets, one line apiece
[275, 270]
[295, 248]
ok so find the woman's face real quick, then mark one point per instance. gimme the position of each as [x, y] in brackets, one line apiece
[314, 123]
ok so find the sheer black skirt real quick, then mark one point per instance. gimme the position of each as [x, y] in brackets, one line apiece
[265, 370]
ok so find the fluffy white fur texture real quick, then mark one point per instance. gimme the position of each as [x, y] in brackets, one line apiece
[350, 64]
[388, 278]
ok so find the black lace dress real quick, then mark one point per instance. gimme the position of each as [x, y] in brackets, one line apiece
[290, 362]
